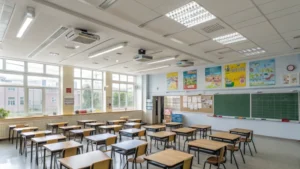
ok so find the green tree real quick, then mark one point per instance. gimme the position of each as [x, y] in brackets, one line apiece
[87, 99]
[115, 99]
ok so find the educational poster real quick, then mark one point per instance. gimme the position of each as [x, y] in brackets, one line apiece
[213, 77]
[235, 75]
[172, 81]
[290, 79]
[190, 79]
[262, 73]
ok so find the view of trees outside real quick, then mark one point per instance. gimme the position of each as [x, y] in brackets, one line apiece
[123, 97]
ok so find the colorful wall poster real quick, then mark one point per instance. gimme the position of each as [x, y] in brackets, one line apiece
[262, 72]
[172, 81]
[190, 79]
[290, 79]
[235, 75]
[213, 77]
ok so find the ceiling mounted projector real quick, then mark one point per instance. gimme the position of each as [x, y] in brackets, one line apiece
[142, 57]
[184, 63]
[82, 36]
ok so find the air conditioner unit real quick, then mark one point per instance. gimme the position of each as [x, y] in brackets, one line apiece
[102, 4]
[142, 58]
[184, 63]
[82, 36]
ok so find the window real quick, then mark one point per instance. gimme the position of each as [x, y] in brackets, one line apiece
[51, 100]
[38, 81]
[88, 90]
[13, 65]
[35, 104]
[21, 100]
[35, 68]
[52, 70]
[11, 89]
[1, 63]
[11, 79]
[11, 101]
[122, 91]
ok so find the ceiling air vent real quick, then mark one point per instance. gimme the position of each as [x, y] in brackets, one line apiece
[225, 52]
[48, 41]
[102, 4]
[213, 28]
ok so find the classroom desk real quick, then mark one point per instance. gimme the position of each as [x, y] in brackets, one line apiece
[29, 135]
[97, 139]
[112, 122]
[162, 136]
[19, 130]
[167, 159]
[82, 161]
[124, 118]
[128, 147]
[135, 120]
[173, 125]
[95, 125]
[130, 133]
[10, 129]
[206, 146]
[155, 128]
[59, 147]
[185, 132]
[243, 132]
[201, 128]
[83, 122]
[43, 140]
[68, 128]
[55, 125]
[226, 138]
[109, 128]
[131, 125]
[80, 132]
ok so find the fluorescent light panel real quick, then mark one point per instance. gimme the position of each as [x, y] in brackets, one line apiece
[7, 7]
[161, 67]
[176, 40]
[107, 50]
[230, 38]
[163, 60]
[191, 14]
[27, 21]
[252, 51]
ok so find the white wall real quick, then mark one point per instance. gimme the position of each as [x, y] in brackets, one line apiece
[158, 87]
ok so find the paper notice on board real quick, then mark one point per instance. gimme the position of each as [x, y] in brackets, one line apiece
[195, 106]
[185, 99]
[191, 106]
[199, 99]
[194, 99]
[189, 99]
[185, 105]
[199, 105]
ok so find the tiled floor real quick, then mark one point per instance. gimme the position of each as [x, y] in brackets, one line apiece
[272, 154]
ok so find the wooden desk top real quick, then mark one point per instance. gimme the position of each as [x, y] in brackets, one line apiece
[46, 138]
[132, 124]
[25, 128]
[110, 126]
[84, 160]
[226, 136]
[131, 130]
[95, 124]
[100, 137]
[173, 123]
[56, 123]
[62, 145]
[79, 131]
[32, 133]
[162, 134]
[133, 120]
[184, 130]
[70, 127]
[86, 121]
[198, 126]
[208, 144]
[129, 145]
[155, 126]
[239, 130]
[14, 125]
[169, 157]
[116, 121]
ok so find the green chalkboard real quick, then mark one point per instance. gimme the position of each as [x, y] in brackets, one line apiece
[275, 106]
[232, 105]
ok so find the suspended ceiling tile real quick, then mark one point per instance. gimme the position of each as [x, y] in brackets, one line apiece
[213, 28]
[290, 35]
[260, 2]
[189, 36]
[242, 16]
[285, 12]
[250, 22]
[241, 46]
[279, 47]
[277, 5]
[164, 26]
[295, 43]
[207, 45]
[287, 23]
[170, 5]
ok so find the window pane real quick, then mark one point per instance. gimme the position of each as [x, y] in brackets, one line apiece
[35, 101]
[77, 99]
[86, 84]
[115, 99]
[1, 63]
[97, 84]
[130, 79]
[115, 77]
[77, 72]
[130, 96]
[11, 79]
[52, 100]
[86, 74]
[52, 70]
[12, 99]
[97, 100]
[77, 84]
[123, 87]
[97, 75]
[35, 68]
[15, 65]
[122, 99]
[42, 81]
[123, 78]
[115, 86]
[86, 102]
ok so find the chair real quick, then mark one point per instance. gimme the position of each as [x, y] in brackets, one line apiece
[109, 142]
[106, 164]
[70, 152]
[20, 125]
[139, 151]
[141, 134]
[171, 139]
[247, 141]
[216, 161]
[137, 126]
[26, 143]
[51, 142]
[58, 126]
[187, 164]
[85, 134]
[117, 129]
[233, 148]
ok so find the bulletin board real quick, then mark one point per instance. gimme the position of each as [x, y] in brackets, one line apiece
[197, 103]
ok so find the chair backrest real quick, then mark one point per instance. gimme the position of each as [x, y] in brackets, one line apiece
[51, 141]
[39, 135]
[26, 130]
[222, 154]
[111, 140]
[142, 133]
[102, 164]
[139, 121]
[187, 164]
[69, 152]
[137, 126]
[86, 133]
[141, 150]
[61, 124]
[117, 129]
[171, 138]
[20, 125]
[115, 123]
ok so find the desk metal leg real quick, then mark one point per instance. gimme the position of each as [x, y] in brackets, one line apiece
[17, 140]
[37, 153]
[31, 149]
[150, 144]
[44, 159]
[9, 132]
[20, 151]
[51, 160]
[12, 137]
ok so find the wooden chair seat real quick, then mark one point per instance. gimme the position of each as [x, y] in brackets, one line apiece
[232, 148]
[138, 160]
[214, 160]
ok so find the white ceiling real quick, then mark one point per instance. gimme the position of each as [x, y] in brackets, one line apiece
[270, 24]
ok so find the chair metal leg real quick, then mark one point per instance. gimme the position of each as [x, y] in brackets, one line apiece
[141, 165]
[209, 166]
[254, 146]
[235, 161]
[198, 157]
[224, 165]
[231, 154]
[125, 164]
[204, 165]
[250, 149]
[242, 156]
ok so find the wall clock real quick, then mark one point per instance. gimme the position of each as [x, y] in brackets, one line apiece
[291, 67]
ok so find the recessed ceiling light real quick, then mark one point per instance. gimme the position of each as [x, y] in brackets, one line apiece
[53, 54]
[252, 51]
[162, 60]
[230, 38]
[107, 50]
[117, 61]
[176, 40]
[190, 14]
[7, 8]
[161, 67]
[71, 46]
[27, 21]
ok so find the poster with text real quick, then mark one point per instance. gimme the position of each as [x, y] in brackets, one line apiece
[235, 75]
[213, 77]
[190, 79]
[290, 79]
[172, 81]
[262, 73]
